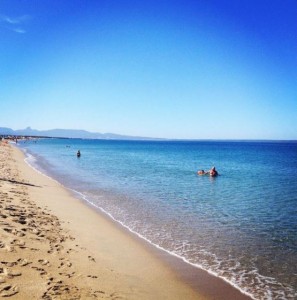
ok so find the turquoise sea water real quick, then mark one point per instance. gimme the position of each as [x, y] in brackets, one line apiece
[241, 226]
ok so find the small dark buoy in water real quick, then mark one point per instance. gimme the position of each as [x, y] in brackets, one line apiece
[78, 153]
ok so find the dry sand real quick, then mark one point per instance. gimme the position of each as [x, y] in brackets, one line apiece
[54, 246]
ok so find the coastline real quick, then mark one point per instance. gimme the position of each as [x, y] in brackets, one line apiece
[93, 256]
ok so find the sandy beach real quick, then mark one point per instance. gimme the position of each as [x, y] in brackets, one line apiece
[53, 246]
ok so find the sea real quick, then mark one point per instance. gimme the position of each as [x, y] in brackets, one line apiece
[240, 226]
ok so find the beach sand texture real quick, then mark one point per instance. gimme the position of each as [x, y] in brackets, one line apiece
[52, 246]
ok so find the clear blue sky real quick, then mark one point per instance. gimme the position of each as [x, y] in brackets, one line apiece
[217, 69]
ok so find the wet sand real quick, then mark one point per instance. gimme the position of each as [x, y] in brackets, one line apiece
[53, 246]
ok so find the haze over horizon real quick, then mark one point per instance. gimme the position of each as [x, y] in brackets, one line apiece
[171, 69]
[85, 134]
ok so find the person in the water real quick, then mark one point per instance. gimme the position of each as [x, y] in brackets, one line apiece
[212, 172]
[78, 153]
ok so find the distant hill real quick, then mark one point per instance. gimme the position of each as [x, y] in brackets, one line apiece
[69, 133]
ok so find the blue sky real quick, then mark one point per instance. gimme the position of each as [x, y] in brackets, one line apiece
[204, 69]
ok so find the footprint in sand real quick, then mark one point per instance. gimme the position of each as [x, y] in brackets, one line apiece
[40, 270]
[35, 231]
[23, 262]
[58, 288]
[9, 248]
[7, 229]
[9, 263]
[92, 276]
[116, 295]
[64, 264]
[16, 242]
[8, 290]
[55, 248]
[91, 258]
[19, 233]
[6, 272]
[69, 275]
[44, 262]
[13, 231]
[97, 292]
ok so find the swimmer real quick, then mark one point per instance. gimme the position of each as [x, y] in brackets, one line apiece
[201, 172]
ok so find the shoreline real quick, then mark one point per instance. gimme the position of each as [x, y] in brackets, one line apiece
[195, 276]
[127, 266]
[199, 279]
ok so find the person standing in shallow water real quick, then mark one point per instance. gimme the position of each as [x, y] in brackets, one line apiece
[78, 153]
[213, 172]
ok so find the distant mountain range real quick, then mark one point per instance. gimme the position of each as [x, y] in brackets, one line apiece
[69, 133]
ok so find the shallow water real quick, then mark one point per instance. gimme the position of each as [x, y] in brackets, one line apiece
[241, 225]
